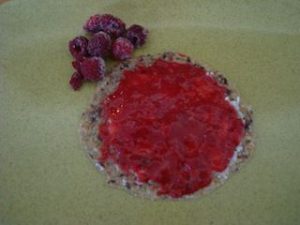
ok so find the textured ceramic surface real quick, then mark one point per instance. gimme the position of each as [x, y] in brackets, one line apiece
[46, 177]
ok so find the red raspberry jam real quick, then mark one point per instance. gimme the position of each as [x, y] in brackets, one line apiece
[170, 125]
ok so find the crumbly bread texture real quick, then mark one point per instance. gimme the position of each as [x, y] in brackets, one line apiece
[92, 141]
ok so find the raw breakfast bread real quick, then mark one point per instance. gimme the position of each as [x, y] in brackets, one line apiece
[91, 119]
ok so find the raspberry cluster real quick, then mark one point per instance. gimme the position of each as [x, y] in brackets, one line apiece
[109, 38]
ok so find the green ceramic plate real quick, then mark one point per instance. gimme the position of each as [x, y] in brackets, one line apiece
[45, 177]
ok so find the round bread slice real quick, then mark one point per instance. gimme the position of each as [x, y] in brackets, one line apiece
[92, 118]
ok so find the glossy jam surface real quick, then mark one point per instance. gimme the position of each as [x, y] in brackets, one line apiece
[171, 126]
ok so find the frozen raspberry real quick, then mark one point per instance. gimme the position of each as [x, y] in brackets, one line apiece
[92, 68]
[92, 25]
[137, 35]
[78, 47]
[122, 48]
[99, 45]
[107, 23]
[76, 81]
[76, 65]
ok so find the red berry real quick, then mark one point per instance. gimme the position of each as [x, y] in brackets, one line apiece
[137, 35]
[76, 65]
[92, 68]
[99, 45]
[76, 81]
[92, 25]
[107, 23]
[122, 48]
[78, 47]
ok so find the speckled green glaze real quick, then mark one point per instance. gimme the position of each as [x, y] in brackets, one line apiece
[45, 177]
